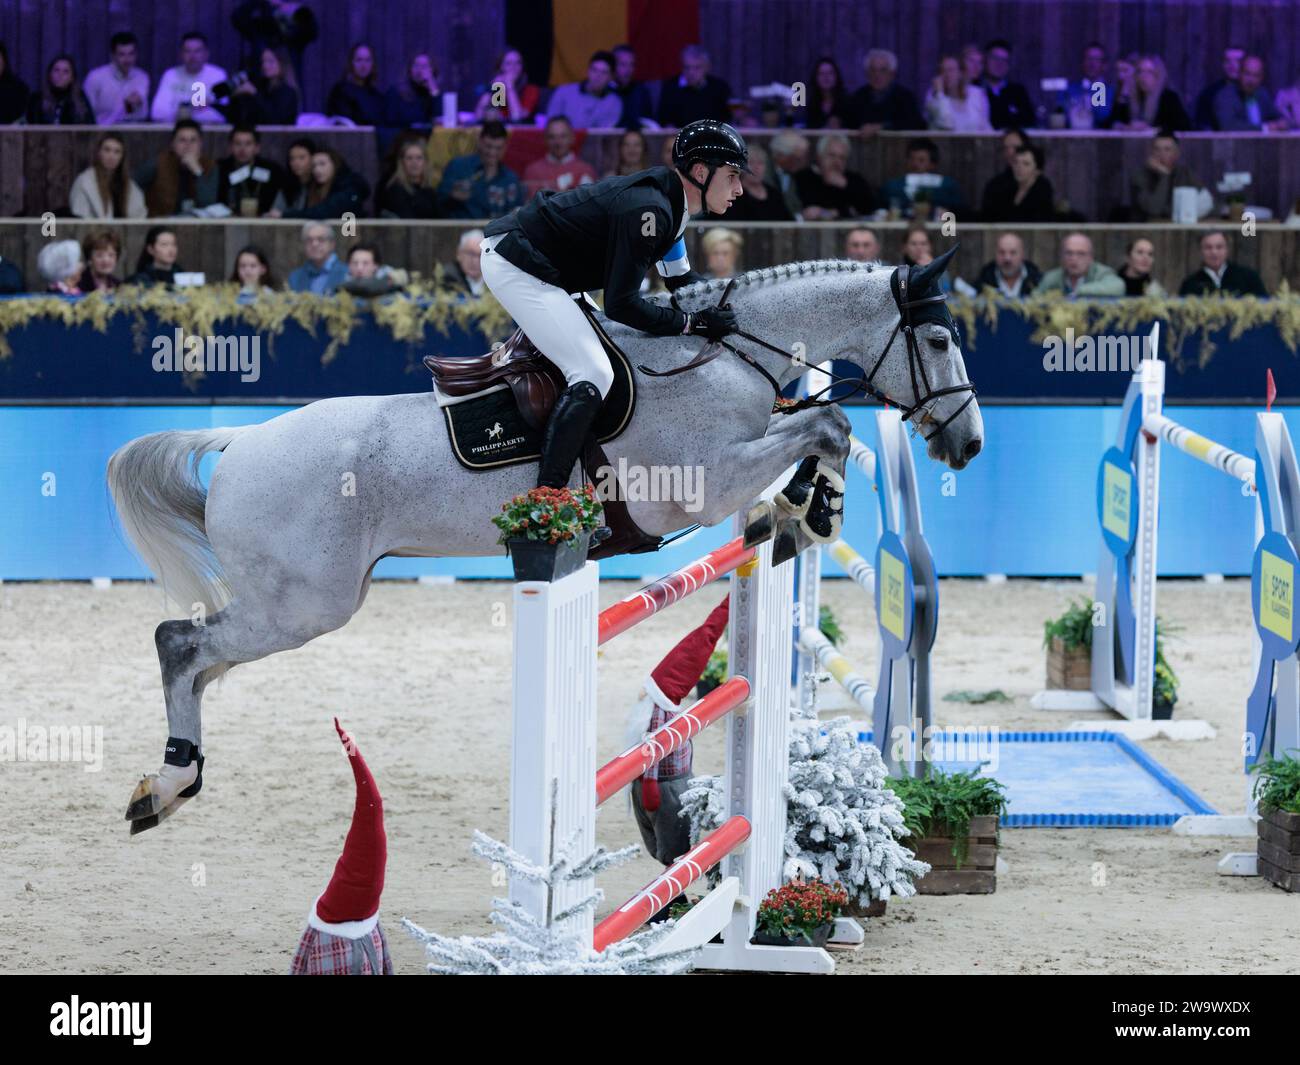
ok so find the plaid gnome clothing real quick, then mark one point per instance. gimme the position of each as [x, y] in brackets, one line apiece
[322, 953]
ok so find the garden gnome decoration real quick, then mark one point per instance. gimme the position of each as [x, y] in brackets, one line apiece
[656, 795]
[343, 937]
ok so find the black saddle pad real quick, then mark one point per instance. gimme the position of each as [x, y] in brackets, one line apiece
[488, 432]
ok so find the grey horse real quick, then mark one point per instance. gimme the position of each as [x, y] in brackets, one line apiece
[281, 546]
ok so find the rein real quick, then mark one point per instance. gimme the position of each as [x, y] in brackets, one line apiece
[861, 384]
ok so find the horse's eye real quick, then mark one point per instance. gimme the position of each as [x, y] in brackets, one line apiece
[938, 343]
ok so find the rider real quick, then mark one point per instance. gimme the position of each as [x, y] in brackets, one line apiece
[606, 235]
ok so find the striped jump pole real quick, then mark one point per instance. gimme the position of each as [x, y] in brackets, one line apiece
[672, 882]
[1200, 447]
[616, 774]
[673, 588]
[858, 568]
[815, 643]
[863, 458]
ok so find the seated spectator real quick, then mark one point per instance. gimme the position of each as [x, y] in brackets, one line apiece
[953, 104]
[157, 263]
[60, 265]
[250, 185]
[355, 96]
[1010, 273]
[1203, 113]
[297, 179]
[918, 250]
[1079, 275]
[12, 282]
[269, 98]
[1288, 104]
[478, 186]
[635, 95]
[419, 100]
[367, 275]
[721, 251]
[407, 193]
[335, 189]
[322, 273]
[790, 153]
[105, 189]
[465, 276]
[633, 154]
[760, 201]
[1009, 104]
[14, 93]
[181, 177]
[862, 245]
[1218, 274]
[828, 189]
[882, 103]
[1150, 104]
[101, 251]
[1031, 199]
[1086, 100]
[509, 97]
[1247, 105]
[176, 87]
[1139, 262]
[282, 25]
[559, 169]
[119, 90]
[590, 103]
[695, 93]
[972, 63]
[61, 102]
[828, 102]
[1152, 190]
[1001, 187]
[252, 271]
[904, 192]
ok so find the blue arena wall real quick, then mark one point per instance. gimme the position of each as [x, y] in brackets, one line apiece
[1024, 507]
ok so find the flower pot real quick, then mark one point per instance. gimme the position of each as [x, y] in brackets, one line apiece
[537, 560]
[875, 908]
[820, 936]
[1278, 847]
[1069, 670]
[977, 873]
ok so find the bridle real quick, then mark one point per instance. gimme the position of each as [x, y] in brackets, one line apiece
[864, 384]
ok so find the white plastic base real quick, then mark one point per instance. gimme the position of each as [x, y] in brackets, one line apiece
[1241, 825]
[1239, 864]
[1074, 702]
[847, 932]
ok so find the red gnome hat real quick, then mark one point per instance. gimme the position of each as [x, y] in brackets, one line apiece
[681, 669]
[358, 880]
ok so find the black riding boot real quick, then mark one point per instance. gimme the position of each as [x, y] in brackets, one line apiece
[571, 419]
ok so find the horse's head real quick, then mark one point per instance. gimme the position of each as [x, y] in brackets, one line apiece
[920, 368]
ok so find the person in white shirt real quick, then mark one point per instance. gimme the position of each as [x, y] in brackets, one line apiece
[953, 103]
[105, 189]
[119, 91]
[181, 86]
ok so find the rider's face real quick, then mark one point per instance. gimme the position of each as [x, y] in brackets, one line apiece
[724, 189]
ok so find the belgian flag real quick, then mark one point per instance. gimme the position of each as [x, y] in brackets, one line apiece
[557, 37]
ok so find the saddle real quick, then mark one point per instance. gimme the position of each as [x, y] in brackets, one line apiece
[496, 407]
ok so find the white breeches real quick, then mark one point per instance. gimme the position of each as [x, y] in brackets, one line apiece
[550, 318]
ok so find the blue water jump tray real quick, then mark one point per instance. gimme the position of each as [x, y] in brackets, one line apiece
[1070, 779]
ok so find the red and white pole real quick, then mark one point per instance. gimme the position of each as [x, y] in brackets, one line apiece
[673, 589]
[616, 774]
[675, 879]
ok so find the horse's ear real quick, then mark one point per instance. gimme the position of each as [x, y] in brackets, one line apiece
[920, 278]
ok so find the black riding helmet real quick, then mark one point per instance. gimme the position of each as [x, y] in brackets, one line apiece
[708, 141]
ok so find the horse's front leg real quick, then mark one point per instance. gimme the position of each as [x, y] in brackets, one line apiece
[815, 494]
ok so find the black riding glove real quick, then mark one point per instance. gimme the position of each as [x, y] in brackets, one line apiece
[713, 322]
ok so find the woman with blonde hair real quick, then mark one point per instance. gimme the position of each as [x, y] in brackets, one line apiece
[105, 189]
[721, 251]
[953, 103]
[1144, 100]
[407, 193]
[633, 154]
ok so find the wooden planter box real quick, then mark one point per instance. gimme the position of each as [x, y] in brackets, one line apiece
[875, 908]
[1068, 670]
[1278, 847]
[978, 872]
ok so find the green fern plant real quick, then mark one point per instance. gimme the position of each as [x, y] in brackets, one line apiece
[942, 804]
[1278, 783]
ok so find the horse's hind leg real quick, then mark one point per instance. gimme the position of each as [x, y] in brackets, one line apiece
[192, 654]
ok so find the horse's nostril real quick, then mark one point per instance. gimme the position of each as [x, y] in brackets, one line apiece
[972, 448]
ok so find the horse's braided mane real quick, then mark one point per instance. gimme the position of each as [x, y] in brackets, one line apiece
[775, 273]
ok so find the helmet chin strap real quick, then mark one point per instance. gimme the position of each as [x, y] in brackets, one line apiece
[704, 189]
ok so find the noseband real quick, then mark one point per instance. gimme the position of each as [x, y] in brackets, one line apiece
[865, 385]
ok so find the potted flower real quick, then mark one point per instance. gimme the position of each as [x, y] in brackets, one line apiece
[547, 531]
[954, 817]
[800, 914]
[1277, 791]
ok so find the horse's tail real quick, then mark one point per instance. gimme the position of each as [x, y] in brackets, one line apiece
[162, 502]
